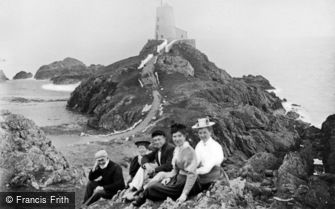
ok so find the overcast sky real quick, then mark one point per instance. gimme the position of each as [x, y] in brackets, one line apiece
[38, 32]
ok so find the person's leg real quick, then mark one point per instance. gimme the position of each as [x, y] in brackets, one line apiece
[97, 195]
[197, 188]
[158, 191]
[91, 185]
[173, 189]
[157, 178]
[138, 179]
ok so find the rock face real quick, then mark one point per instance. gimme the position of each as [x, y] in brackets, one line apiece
[3, 76]
[22, 75]
[75, 77]
[328, 142]
[67, 71]
[29, 157]
[258, 81]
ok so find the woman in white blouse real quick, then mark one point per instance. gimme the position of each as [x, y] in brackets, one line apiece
[209, 154]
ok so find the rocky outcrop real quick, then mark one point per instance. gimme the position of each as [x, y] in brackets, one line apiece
[328, 143]
[67, 71]
[22, 75]
[172, 64]
[29, 158]
[3, 76]
[258, 81]
[224, 194]
[75, 76]
[58, 68]
[297, 188]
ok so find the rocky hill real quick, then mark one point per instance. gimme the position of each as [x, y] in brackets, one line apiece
[270, 149]
[67, 71]
[3, 77]
[22, 75]
[29, 159]
[75, 77]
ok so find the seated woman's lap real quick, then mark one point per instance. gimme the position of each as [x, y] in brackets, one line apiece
[158, 191]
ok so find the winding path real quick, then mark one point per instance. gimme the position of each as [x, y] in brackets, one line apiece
[155, 106]
[141, 126]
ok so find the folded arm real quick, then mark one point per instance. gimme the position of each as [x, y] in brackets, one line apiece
[94, 174]
[213, 158]
[117, 180]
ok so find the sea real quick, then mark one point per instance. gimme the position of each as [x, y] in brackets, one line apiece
[301, 70]
[39, 100]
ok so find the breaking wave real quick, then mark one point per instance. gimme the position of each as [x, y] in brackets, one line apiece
[53, 87]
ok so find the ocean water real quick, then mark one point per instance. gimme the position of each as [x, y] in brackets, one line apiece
[38, 100]
[301, 69]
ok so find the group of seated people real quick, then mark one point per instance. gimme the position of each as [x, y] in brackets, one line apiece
[177, 171]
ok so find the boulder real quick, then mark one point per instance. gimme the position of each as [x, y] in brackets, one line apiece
[261, 162]
[22, 75]
[30, 158]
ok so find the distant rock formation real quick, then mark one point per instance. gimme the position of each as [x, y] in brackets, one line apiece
[75, 76]
[60, 67]
[29, 157]
[22, 75]
[3, 76]
[67, 71]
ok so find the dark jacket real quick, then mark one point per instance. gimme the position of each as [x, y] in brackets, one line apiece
[166, 158]
[112, 177]
[134, 166]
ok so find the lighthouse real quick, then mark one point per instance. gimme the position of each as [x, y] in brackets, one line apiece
[165, 24]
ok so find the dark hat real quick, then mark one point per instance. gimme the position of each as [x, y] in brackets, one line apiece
[158, 133]
[143, 142]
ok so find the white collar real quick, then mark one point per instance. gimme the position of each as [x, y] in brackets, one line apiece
[208, 141]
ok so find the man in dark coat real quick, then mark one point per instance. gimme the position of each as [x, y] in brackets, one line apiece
[151, 164]
[162, 155]
[105, 179]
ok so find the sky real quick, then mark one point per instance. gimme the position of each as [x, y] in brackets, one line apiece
[38, 32]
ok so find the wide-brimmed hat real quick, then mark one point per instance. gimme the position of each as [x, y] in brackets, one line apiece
[317, 162]
[203, 123]
[143, 142]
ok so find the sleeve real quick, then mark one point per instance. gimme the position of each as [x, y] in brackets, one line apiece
[167, 166]
[134, 166]
[92, 175]
[149, 157]
[197, 153]
[117, 177]
[190, 166]
[215, 158]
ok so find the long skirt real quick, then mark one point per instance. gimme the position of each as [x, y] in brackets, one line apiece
[173, 189]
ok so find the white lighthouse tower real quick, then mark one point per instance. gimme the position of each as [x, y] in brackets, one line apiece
[165, 24]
